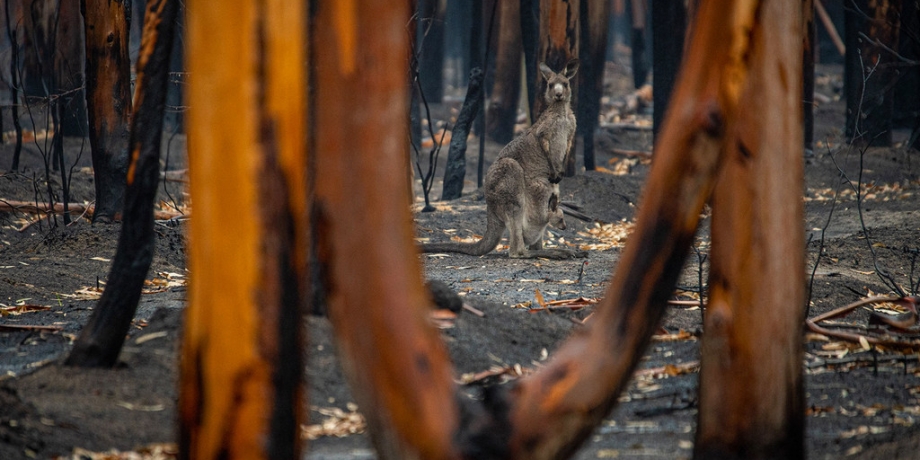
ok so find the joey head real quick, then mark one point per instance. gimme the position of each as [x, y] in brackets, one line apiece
[521, 187]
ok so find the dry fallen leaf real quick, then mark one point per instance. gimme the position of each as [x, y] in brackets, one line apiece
[338, 423]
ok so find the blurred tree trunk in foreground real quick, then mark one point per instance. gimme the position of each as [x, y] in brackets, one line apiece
[395, 361]
[241, 361]
[559, 42]
[752, 403]
[108, 100]
[101, 339]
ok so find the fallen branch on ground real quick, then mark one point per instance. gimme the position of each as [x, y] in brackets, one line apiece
[910, 303]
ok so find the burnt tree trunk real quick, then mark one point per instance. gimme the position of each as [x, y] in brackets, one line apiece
[595, 15]
[13, 34]
[530, 42]
[559, 42]
[69, 60]
[907, 109]
[100, 341]
[239, 385]
[809, 37]
[455, 167]
[503, 103]
[752, 402]
[669, 25]
[430, 40]
[108, 100]
[869, 73]
[637, 10]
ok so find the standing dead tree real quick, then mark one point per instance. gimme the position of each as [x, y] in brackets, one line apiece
[595, 14]
[108, 100]
[872, 33]
[100, 341]
[15, 81]
[559, 44]
[240, 393]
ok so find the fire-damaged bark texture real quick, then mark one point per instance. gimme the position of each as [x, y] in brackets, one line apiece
[108, 100]
[669, 25]
[594, 14]
[101, 339]
[394, 359]
[872, 33]
[559, 41]
[751, 395]
[240, 387]
[503, 102]
[455, 167]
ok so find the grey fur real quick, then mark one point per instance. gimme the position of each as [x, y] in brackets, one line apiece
[521, 186]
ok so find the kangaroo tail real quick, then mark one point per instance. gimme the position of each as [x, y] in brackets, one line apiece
[494, 230]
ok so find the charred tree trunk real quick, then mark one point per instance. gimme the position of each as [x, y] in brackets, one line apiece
[637, 10]
[503, 103]
[108, 100]
[752, 403]
[15, 83]
[101, 339]
[39, 18]
[871, 27]
[595, 15]
[530, 42]
[907, 109]
[559, 33]
[809, 37]
[68, 69]
[379, 315]
[455, 167]
[431, 48]
[669, 25]
[241, 358]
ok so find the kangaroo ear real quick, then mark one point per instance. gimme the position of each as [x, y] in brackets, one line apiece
[545, 70]
[553, 202]
[571, 68]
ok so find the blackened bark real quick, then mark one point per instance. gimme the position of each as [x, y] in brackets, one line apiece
[455, 169]
[869, 72]
[592, 58]
[669, 25]
[101, 339]
[639, 61]
[907, 109]
[68, 68]
[430, 43]
[530, 41]
[14, 85]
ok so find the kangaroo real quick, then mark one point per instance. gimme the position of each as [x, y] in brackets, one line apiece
[521, 187]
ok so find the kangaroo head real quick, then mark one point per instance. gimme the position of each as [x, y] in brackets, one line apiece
[556, 217]
[558, 88]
